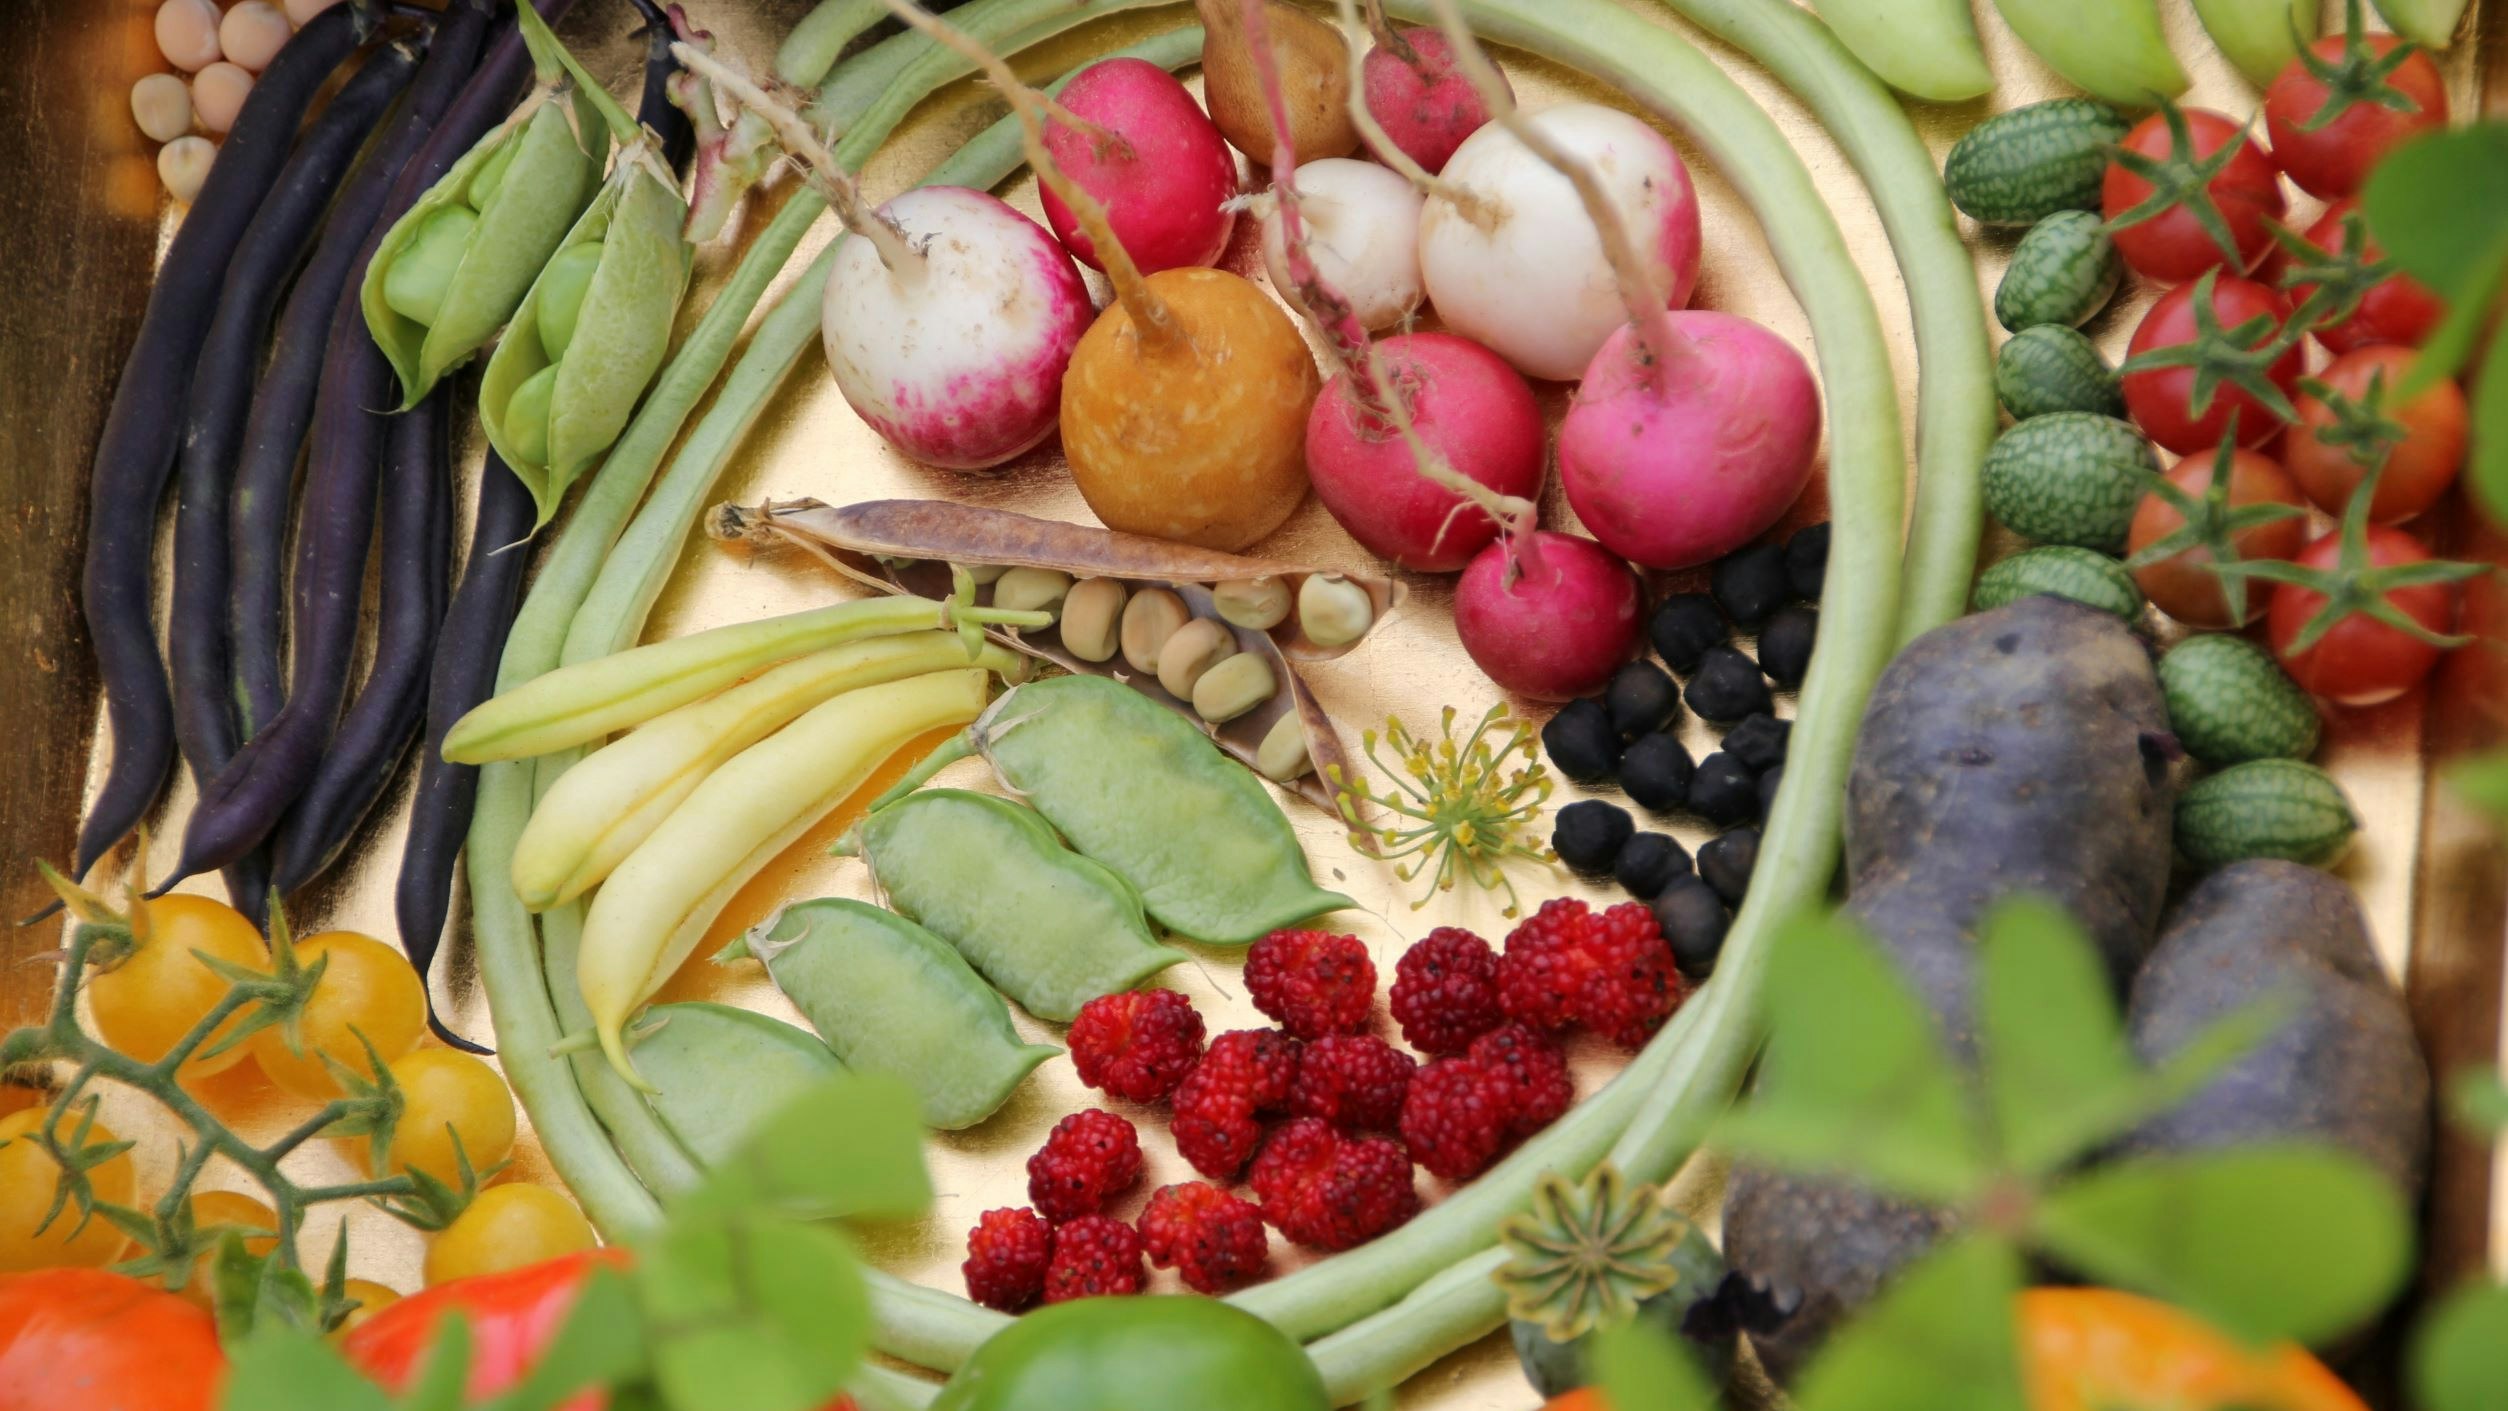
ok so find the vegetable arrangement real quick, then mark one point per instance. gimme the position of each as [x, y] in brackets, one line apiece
[624, 792]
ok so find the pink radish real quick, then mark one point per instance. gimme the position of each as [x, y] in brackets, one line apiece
[1422, 107]
[1549, 617]
[1692, 432]
[1151, 158]
[949, 317]
[1412, 428]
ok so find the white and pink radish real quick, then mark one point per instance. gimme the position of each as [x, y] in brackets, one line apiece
[1549, 615]
[1422, 446]
[1692, 431]
[1184, 408]
[950, 318]
[1151, 157]
[1421, 107]
[1362, 227]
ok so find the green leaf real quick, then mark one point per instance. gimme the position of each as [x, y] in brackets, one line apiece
[2439, 206]
[1641, 1367]
[2271, 1241]
[2053, 1045]
[2488, 457]
[2477, 1099]
[752, 1315]
[1946, 1322]
[1855, 1078]
[2459, 1356]
[602, 1344]
[283, 1369]
[849, 1146]
[444, 1374]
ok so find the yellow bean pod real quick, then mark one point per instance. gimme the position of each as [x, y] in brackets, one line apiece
[657, 905]
[604, 806]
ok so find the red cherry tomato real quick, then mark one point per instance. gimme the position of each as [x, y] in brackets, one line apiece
[2161, 399]
[2173, 245]
[2396, 309]
[2361, 661]
[2419, 467]
[95, 1341]
[2331, 156]
[2183, 584]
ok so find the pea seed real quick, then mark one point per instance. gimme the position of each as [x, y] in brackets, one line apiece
[1031, 590]
[1333, 611]
[1233, 687]
[1153, 616]
[491, 175]
[562, 288]
[1197, 646]
[984, 573]
[1257, 603]
[1090, 616]
[414, 286]
[527, 414]
[1282, 754]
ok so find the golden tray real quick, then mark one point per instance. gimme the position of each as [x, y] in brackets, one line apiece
[78, 184]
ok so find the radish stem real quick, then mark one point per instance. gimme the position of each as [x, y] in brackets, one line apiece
[902, 259]
[1372, 133]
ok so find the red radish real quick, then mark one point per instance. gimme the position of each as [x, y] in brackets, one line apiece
[1692, 431]
[950, 318]
[1423, 108]
[1363, 230]
[1150, 156]
[1410, 430]
[1549, 617]
[1185, 404]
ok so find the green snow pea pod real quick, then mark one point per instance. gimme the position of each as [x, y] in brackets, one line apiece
[718, 1070]
[1050, 928]
[891, 997]
[452, 270]
[1142, 790]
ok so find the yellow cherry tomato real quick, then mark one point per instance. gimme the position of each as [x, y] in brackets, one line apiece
[155, 996]
[217, 1210]
[507, 1227]
[370, 1297]
[445, 1093]
[366, 988]
[28, 1175]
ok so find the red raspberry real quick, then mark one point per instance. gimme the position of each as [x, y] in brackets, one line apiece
[1457, 1117]
[1214, 1129]
[1212, 1238]
[1260, 1064]
[1138, 1044]
[1353, 1081]
[1292, 1164]
[1328, 1193]
[1091, 1157]
[1094, 1255]
[1536, 1069]
[1313, 982]
[1007, 1252]
[1445, 991]
[1610, 971]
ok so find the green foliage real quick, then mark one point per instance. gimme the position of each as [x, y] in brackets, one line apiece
[2459, 1355]
[1946, 1323]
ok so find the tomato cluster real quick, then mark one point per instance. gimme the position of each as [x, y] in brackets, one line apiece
[2218, 373]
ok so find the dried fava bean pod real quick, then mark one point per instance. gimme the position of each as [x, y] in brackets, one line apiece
[909, 545]
[593, 328]
[891, 997]
[1211, 854]
[1049, 928]
[454, 268]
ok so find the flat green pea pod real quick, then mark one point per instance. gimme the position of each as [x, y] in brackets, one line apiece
[453, 269]
[718, 1070]
[1048, 927]
[1143, 791]
[891, 997]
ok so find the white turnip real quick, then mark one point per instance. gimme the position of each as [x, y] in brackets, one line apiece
[1362, 227]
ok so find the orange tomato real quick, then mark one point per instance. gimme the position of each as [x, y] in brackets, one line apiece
[28, 1175]
[506, 1228]
[212, 1210]
[366, 989]
[154, 996]
[2421, 466]
[95, 1341]
[449, 1094]
[2183, 584]
[2103, 1350]
[370, 1297]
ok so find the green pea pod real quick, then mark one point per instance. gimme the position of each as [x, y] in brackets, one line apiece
[1050, 928]
[718, 1071]
[440, 285]
[1140, 789]
[604, 336]
[891, 997]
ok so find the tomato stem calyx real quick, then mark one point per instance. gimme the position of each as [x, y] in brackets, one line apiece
[2242, 356]
[2182, 179]
[2210, 523]
[2359, 76]
[2355, 584]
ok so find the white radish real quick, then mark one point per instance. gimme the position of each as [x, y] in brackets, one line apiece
[1362, 224]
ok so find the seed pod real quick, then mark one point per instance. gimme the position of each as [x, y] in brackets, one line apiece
[477, 240]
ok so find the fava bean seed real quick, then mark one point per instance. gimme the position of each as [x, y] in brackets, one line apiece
[1233, 687]
[1031, 590]
[1153, 616]
[162, 106]
[1282, 755]
[183, 164]
[1257, 603]
[1198, 646]
[984, 573]
[563, 286]
[1092, 619]
[1333, 611]
[1046, 926]
[527, 414]
[414, 286]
